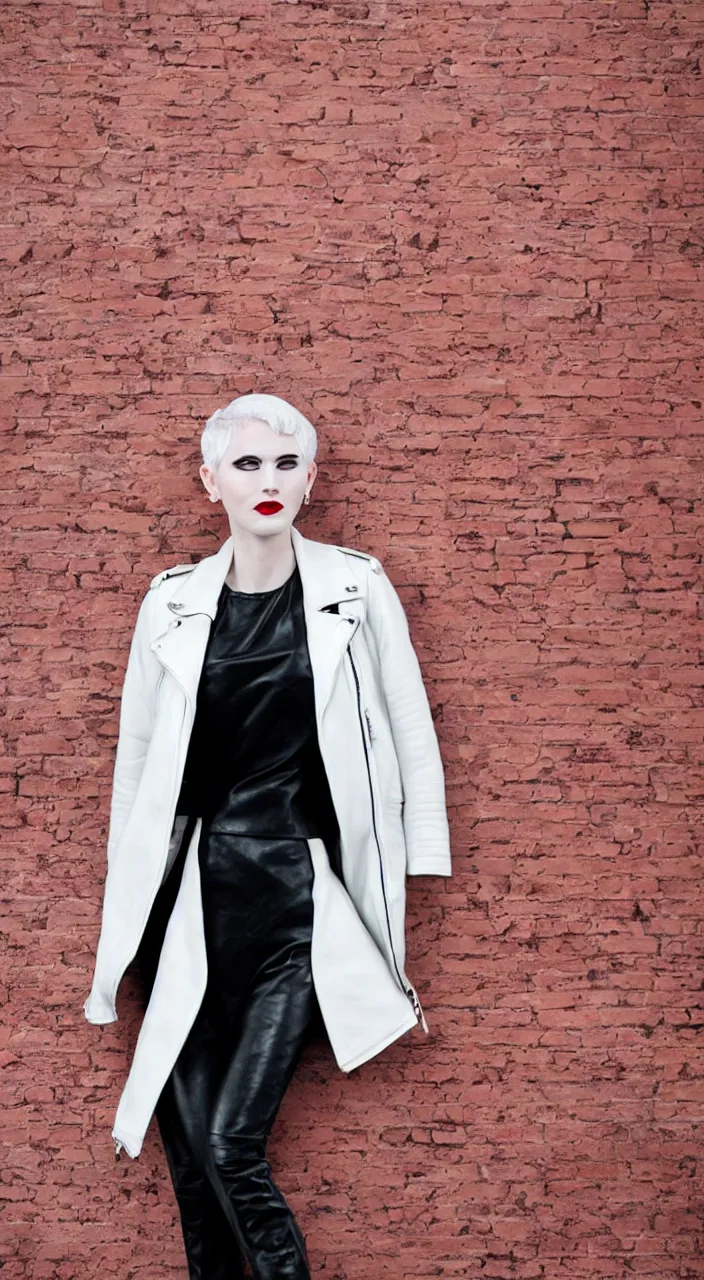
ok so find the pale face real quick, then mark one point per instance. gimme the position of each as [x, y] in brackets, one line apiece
[260, 469]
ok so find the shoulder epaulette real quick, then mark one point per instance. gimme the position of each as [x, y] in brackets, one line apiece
[349, 552]
[170, 573]
[372, 561]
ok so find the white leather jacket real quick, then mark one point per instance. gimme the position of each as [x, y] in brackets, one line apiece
[381, 755]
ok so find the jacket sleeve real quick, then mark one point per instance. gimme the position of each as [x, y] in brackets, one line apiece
[424, 815]
[136, 723]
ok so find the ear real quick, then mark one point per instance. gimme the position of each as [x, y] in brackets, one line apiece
[312, 472]
[209, 481]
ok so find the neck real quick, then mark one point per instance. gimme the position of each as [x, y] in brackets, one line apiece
[260, 564]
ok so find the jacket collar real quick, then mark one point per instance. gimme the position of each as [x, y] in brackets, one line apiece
[326, 578]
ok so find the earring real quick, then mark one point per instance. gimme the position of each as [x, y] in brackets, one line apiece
[307, 498]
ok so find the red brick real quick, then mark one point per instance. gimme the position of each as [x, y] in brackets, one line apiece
[468, 242]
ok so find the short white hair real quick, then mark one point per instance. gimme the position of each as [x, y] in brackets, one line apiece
[277, 413]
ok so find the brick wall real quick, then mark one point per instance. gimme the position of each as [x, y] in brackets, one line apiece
[467, 239]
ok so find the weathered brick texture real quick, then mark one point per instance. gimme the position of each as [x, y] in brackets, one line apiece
[467, 239]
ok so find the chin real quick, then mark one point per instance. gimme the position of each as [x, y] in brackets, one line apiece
[270, 525]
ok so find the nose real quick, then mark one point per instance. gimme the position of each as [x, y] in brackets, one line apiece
[269, 477]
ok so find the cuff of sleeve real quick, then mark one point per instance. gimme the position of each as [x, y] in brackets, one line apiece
[430, 867]
[98, 1011]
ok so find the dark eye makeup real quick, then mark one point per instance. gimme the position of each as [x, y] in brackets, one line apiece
[249, 462]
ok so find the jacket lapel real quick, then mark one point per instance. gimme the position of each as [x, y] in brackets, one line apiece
[185, 618]
[184, 625]
[326, 580]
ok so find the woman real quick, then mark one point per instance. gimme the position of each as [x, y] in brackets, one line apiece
[277, 776]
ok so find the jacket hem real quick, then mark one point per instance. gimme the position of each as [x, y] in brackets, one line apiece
[132, 1145]
[372, 1050]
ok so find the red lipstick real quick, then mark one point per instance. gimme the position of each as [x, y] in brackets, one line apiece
[269, 508]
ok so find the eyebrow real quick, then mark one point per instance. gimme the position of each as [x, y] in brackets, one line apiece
[279, 458]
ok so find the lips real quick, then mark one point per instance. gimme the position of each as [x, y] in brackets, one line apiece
[269, 508]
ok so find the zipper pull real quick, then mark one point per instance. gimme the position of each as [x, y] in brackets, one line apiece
[417, 1009]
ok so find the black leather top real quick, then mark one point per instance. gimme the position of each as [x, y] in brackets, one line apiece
[254, 765]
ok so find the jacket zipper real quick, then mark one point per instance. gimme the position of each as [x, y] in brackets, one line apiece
[408, 989]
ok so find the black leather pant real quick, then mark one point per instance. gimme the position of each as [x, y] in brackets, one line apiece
[220, 1101]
